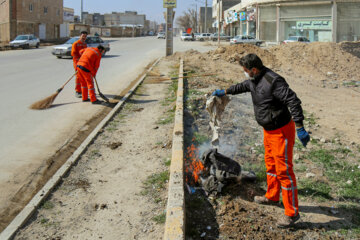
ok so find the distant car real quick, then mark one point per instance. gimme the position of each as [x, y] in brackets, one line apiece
[296, 39]
[64, 50]
[25, 41]
[245, 39]
[186, 37]
[161, 35]
[214, 37]
[203, 36]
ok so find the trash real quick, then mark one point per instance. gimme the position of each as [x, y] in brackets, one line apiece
[349, 182]
[203, 234]
[208, 228]
[310, 175]
[190, 189]
[216, 106]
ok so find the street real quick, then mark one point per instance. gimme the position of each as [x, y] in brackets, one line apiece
[29, 138]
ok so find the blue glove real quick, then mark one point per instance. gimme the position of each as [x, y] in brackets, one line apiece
[218, 93]
[303, 136]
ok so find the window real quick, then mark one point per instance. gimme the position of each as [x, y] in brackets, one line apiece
[30, 7]
[58, 12]
[45, 10]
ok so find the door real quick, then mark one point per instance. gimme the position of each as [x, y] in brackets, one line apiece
[42, 31]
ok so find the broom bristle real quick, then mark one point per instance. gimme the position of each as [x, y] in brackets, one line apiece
[45, 103]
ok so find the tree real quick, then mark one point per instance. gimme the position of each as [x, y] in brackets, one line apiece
[187, 20]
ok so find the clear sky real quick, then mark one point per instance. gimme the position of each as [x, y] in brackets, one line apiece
[152, 8]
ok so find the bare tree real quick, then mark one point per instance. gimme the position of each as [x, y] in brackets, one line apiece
[187, 20]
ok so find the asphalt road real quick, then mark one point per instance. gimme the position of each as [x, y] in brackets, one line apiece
[29, 137]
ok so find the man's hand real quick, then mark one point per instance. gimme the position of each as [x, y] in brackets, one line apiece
[218, 93]
[303, 135]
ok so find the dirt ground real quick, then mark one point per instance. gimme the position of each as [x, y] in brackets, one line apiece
[118, 188]
[323, 77]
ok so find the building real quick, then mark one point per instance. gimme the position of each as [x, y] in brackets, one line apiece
[204, 28]
[98, 19]
[218, 8]
[39, 17]
[275, 21]
[127, 18]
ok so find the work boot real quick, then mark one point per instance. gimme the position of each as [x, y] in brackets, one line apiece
[87, 100]
[287, 221]
[98, 102]
[78, 95]
[264, 200]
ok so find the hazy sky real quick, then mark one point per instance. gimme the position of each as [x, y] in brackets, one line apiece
[152, 8]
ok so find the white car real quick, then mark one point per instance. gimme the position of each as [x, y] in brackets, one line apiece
[161, 35]
[25, 41]
[296, 39]
[186, 37]
[245, 39]
[203, 36]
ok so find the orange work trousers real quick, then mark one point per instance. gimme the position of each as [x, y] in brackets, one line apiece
[77, 81]
[279, 145]
[87, 85]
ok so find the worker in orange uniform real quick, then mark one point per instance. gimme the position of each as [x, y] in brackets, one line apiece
[278, 110]
[75, 53]
[87, 68]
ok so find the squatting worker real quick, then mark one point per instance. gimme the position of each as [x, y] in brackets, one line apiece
[278, 110]
[75, 53]
[87, 68]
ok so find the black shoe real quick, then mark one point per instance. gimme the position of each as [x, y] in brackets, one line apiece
[98, 102]
[78, 95]
[87, 100]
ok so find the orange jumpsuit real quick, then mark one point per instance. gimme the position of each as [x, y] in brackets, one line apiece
[75, 53]
[87, 68]
[279, 145]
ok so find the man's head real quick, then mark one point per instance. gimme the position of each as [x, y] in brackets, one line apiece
[252, 65]
[101, 49]
[83, 35]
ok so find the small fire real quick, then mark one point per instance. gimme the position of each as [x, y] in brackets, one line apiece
[194, 167]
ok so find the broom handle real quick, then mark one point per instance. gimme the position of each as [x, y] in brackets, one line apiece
[60, 89]
[196, 75]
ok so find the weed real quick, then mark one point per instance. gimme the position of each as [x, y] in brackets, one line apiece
[318, 189]
[260, 149]
[200, 139]
[48, 205]
[167, 162]
[310, 118]
[159, 143]
[44, 220]
[158, 180]
[160, 219]
[168, 119]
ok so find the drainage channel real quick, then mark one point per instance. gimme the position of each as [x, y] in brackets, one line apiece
[21, 219]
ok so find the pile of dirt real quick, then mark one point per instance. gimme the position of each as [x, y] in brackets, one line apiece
[351, 47]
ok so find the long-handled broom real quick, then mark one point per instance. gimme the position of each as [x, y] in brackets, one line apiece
[101, 95]
[46, 102]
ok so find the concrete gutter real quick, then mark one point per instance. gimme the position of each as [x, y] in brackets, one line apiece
[10, 231]
[175, 210]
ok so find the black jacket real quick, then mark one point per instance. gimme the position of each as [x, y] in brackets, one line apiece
[272, 99]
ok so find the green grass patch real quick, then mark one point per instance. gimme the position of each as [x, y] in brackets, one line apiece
[48, 205]
[44, 220]
[167, 162]
[160, 219]
[310, 118]
[314, 189]
[200, 138]
[169, 118]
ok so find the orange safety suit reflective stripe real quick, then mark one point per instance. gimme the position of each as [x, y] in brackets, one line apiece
[87, 85]
[90, 59]
[75, 53]
[279, 145]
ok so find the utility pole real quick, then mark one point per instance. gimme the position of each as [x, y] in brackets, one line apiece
[169, 5]
[219, 1]
[82, 10]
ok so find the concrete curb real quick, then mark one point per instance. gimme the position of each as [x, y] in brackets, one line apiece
[175, 210]
[35, 202]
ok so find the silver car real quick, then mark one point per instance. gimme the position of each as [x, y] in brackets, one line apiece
[243, 39]
[25, 41]
[64, 50]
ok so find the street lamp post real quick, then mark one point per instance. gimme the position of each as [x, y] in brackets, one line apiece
[82, 10]
[219, 1]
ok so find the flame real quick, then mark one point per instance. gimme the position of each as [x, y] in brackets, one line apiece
[194, 166]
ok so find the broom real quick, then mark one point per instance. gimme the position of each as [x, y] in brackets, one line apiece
[101, 95]
[46, 102]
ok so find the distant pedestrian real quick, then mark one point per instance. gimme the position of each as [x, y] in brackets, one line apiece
[87, 68]
[75, 53]
[278, 110]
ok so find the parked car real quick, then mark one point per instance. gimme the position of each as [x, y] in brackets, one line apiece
[64, 50]
[203, 37]
[214, 37]
[25, 41]
[161, 35]
[245, 39]
[186, 37]
[296, 39]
